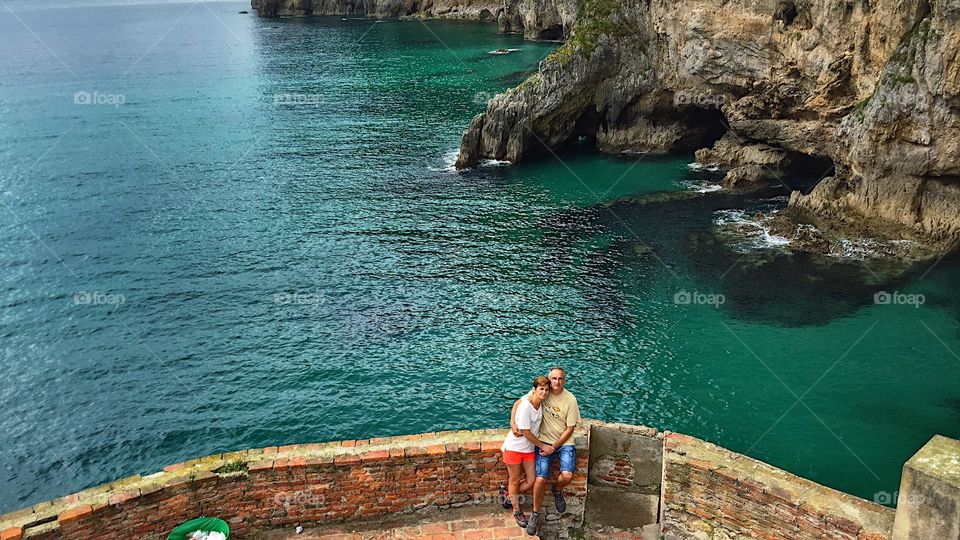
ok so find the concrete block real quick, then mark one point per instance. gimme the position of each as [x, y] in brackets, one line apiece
[610, 506]
[928, 503]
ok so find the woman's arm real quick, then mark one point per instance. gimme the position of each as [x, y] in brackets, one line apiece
[547, 448]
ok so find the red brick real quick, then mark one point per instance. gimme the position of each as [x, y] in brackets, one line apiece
[348, 444]
[260, 465]
[122, 497]
[13, 533]
[376, 455]
[172, 468]
[436, 450]
[75, 513]
[320, 460]
[348, 459]
[473, 446]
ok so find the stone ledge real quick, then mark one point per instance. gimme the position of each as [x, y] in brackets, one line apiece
[842, 509]
[373, 451]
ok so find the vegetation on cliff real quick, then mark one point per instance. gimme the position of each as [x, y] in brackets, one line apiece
[595, 18]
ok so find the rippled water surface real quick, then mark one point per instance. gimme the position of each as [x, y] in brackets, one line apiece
[252, 236]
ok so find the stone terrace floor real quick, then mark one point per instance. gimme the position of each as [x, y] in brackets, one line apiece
[452, 524]
[483, 523]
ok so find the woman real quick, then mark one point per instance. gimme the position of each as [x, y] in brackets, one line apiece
[518, 452]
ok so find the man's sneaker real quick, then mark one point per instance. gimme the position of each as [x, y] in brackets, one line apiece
[504, 499]
[532, 524]
[521, 519]
[558, 500]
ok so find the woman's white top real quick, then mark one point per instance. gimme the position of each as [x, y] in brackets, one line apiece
[527, 418]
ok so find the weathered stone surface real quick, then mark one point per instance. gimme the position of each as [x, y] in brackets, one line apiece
[625, 474]
[928, 503]
[550, 19]
[746, 177]
[617, 508]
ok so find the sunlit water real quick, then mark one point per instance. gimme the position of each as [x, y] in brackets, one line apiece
[252, 236]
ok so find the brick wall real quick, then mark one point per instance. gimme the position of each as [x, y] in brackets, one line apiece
[315, 483]
[710, 492]
[705, 492]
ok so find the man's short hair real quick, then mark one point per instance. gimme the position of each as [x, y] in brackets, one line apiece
[557, 367]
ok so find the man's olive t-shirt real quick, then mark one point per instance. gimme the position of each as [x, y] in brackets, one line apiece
[559, 413]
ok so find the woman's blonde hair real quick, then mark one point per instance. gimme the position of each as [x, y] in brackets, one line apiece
[541, 381]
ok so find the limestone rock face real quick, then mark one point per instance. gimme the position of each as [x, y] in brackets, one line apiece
[871, 87]
[536, 19]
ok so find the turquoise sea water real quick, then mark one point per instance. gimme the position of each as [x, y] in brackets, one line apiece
[251, 236]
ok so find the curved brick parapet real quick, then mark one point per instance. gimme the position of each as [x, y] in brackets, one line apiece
[628, 477]
[711, 492]
[260, 489]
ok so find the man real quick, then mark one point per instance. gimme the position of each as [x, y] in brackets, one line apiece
[561, 413]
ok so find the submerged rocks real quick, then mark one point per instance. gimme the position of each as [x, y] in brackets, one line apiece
[745, 177]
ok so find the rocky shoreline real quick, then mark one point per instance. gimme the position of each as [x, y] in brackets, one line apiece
[546, 21]
[863, 96]
[868, 92]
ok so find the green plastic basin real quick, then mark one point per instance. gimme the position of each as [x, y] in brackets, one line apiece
[184, 530]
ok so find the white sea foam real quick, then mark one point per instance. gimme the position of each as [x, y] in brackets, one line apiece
[754, 232]
[868, 248]
[495, 163]
[710, 167]
[503, 51]
[449, 162]
[701, 187]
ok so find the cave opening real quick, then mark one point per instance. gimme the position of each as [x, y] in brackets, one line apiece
[786, 12]
[551, 33]
[705, 127]
[807, 170]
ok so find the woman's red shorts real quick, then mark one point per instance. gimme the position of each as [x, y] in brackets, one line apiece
[515, 458]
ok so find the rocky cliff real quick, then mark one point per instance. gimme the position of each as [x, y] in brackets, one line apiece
[536, 19]
[864, 95]
[861, 95]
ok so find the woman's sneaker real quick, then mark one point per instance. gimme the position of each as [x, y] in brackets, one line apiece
[504, 499]
[532, 524]
[521, 519]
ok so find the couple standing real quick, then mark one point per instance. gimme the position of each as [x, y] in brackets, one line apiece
[541, 430]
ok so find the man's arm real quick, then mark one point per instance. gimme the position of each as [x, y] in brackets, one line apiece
[564, 436]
